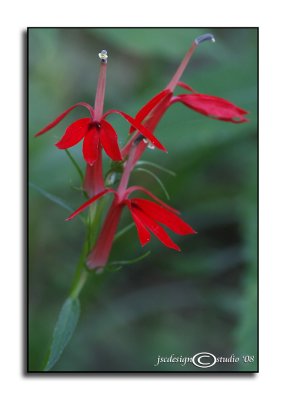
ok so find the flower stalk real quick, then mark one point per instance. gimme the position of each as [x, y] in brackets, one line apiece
[174, 81]
[100, 91]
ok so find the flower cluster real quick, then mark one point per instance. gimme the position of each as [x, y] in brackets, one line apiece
[98, 134]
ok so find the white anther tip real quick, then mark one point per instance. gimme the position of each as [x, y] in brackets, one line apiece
[103, 56]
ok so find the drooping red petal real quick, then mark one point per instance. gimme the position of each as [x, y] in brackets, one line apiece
[213, 106]
[88, 203]
[185, 86]
[143, 233]
[148, 107]
[164, 216]
[142, 189]
[156, 229]
[74, 133]
[91, 145]
[62, 116]
[144, 131]
[109, 141]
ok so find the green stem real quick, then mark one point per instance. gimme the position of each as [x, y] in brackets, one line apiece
[81, 273]
[79, 283]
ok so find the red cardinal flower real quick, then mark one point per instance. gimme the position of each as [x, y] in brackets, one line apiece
[215, 107]
[149, 216]
[96, 134]
[95, 131]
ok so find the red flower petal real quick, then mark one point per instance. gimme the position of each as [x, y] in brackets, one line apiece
[91, 145]
[212, 106]
[185, 86]
[62, 116]
[156, 229]
[88, 203]
[74, 133]
[142, 189]
[145, 110]
[109, 141]
[164, 216]
[143, 233]
[144, 131]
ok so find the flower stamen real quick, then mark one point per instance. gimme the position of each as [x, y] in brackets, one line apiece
[204, 38]
[103, 56]
[100, 91]
[200, 39]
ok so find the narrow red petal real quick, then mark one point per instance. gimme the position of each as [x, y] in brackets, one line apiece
[164, 216]
[109, 141]
[142, 189]
[91, 145]
[143, 233]
[144, 131]
[74, 133]
[62, 116]
[212, 106]
[148, 107]
[88, 203]
[185, 86]
[156, 229]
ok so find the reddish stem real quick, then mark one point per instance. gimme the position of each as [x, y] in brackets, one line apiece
[100, 93]
[100, 253]
[172, 84]
[126, 173]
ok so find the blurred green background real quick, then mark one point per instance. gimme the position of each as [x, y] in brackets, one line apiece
[202, 299]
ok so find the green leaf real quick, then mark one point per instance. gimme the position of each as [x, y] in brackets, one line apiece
[157, 179]
[51, 197]
[54, 199]
[64, 330]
